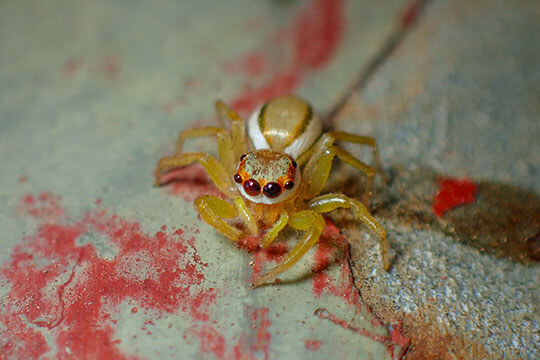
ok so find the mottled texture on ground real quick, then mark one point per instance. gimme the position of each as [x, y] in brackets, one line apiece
[458, 98]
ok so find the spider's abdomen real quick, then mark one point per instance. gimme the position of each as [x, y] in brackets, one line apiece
[285, 124]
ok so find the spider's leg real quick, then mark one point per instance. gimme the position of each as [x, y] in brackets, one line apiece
[329, 202]
[238, 128]
[313, 224]
[315, 173]
[273, 232]
[366, 169]
[214, 169]
[323, 152]
[248, 217]
[225, 147]
[362, 140]
[213, 210]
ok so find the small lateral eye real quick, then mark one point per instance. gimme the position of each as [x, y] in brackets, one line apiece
[237, 178]
[242, 157]
[294, 164]
[272, 190]
[252, 187]
[289, 185]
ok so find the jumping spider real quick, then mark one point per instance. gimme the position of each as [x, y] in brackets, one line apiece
[279, 182]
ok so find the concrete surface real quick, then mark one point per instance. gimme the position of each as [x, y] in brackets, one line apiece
[457, 99]
[97, 263]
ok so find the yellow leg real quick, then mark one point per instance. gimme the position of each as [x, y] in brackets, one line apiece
[238, 128]
[271, 234]
[366, 169]
[248, 217]
[316, 171]
[362, 140]
[214, 169]
[213, 210]
[310, 222]
[226, 156]
[323, 152]
[329, 202]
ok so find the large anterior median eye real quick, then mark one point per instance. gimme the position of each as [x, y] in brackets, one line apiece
[252, 187]
[272, 190]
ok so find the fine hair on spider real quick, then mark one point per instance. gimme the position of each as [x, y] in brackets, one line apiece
[279, 182]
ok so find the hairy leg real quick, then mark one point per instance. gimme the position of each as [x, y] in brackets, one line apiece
[362, 140]
[273, 232]
[323, 152]
[313, 224]
[214, 169]
[226, 156]
[248, 217]
[330, 202]
[238, 128]
[213, 210]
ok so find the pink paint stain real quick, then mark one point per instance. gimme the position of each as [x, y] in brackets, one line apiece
[313, 345]
[452, 193]
[71, 66]
[45, 206]
[109, 66]
[316, 34]
[395, 338]
[60, 285]
[333, 248]
[212, 341]
[411, 12]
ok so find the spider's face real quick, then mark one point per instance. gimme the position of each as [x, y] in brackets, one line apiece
[267, 177]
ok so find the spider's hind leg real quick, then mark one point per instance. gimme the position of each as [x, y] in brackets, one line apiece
[328, 202]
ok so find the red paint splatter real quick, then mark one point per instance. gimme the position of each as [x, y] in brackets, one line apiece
[70, 67]
[452, 193]
[316, 35]
[252, 64]
[109, 66]
[324, 314]
[45, 206]
[274, 254]
[333, 248]
[212, 341]
[61, 285]
[411, 12]
[259, 319]
[313, 345]
[398, 338]
[284, 83]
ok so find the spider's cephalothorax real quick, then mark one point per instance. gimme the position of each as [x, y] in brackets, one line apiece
[267, 177]
[279, 182]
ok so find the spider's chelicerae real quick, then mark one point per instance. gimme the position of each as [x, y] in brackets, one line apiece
[278, 183]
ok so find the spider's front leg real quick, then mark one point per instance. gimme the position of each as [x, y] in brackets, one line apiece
[313, 224]
[214, 210]
[329, 202]
[215, 170]
[324, 151]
